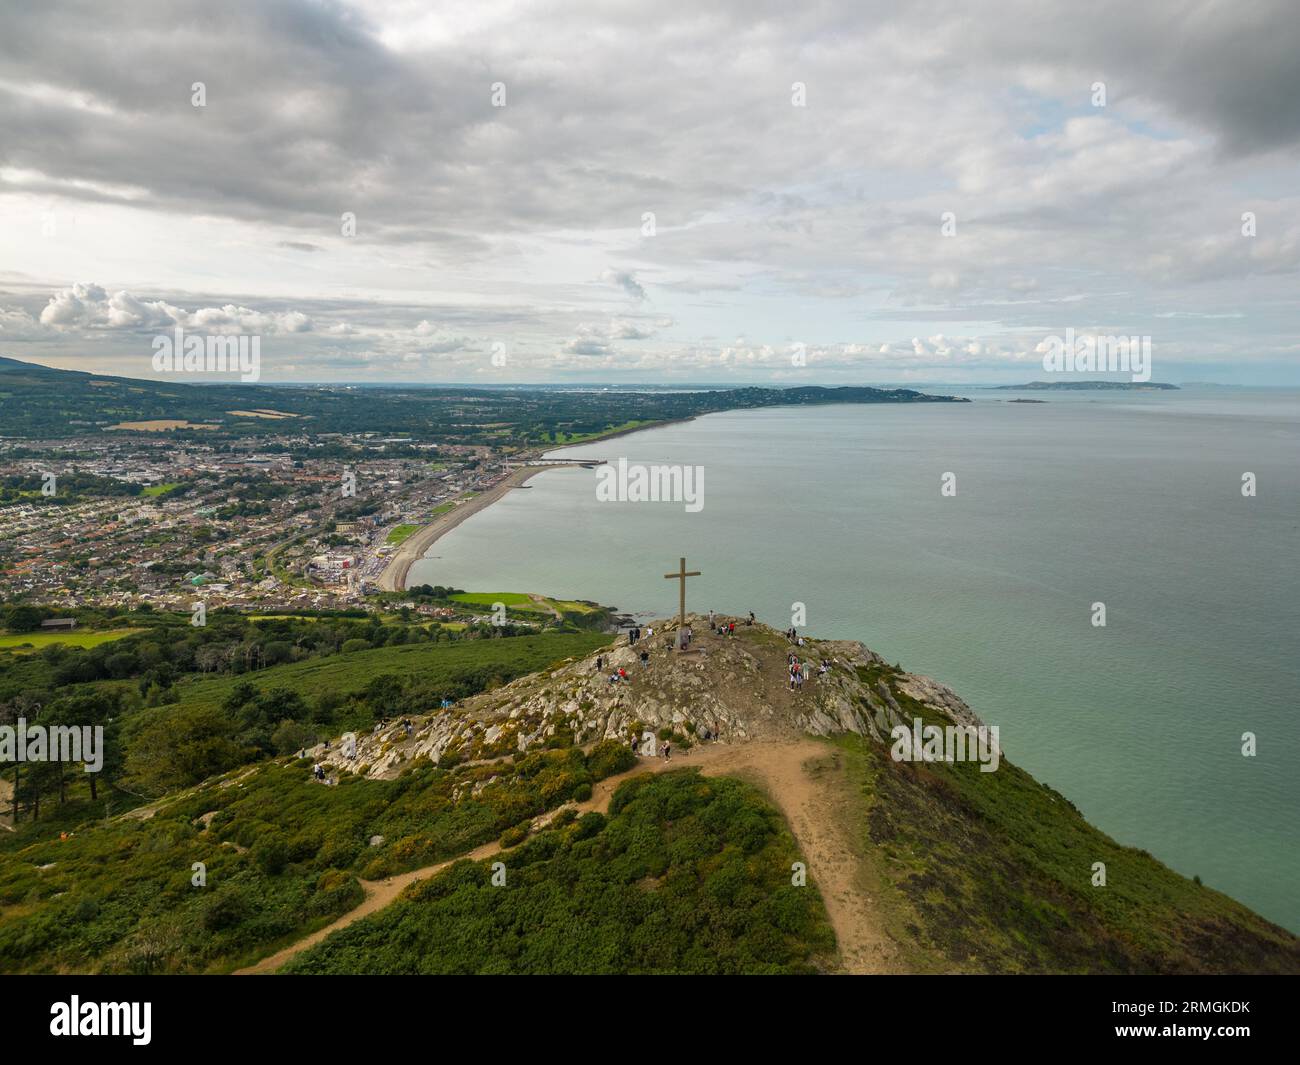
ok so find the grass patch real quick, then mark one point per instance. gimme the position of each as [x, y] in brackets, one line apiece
[34, 641]
[428, 664]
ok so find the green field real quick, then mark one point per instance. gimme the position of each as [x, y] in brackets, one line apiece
[487, 600]
[427, 663]
[399, 533]
[560, 437]
[159, 489]
[573, 605]
[88, 638]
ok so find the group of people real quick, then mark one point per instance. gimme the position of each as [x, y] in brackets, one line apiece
[799, 671]
[796, 672]
[727, 628]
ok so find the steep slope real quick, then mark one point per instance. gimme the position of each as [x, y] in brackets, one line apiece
[929, 866]
[935, 865]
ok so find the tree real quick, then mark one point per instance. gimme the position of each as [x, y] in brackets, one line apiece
[177, 748]
[21, 618]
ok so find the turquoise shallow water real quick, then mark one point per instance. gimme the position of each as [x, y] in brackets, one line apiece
[1131, 500]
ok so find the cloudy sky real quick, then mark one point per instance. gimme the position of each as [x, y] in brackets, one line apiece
[652, 192]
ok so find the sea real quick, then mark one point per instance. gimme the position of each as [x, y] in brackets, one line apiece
[981, 543]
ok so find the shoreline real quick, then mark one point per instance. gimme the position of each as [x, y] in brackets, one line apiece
[413, 548]
[393, 577]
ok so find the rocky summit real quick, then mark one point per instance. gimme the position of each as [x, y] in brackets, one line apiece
[731, 688]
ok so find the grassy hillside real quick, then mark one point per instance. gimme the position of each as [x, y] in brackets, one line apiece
[458, 667]
[686, 875]
[993, 872]
[282, 856]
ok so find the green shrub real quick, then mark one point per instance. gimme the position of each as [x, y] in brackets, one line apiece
[609, 757]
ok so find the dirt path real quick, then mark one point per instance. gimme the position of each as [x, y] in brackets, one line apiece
[804, 778]
[6, 801]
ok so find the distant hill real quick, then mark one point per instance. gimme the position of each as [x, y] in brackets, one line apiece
[1087, 386]
[37, 401]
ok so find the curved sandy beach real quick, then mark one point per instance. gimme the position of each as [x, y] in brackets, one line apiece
[413, 548]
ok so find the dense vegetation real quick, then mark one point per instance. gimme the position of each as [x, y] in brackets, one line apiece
[181, 703]
[686, 875]
[282, 854]
[53, 399]
[993, 872]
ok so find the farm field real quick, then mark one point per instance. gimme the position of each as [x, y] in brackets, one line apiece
[18, 641]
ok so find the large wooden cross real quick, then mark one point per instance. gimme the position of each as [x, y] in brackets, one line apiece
[681, 576]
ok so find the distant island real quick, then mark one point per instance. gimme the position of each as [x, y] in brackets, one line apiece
[1087, 386]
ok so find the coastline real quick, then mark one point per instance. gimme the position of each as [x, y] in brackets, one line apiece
[412, 549]
[393, 577]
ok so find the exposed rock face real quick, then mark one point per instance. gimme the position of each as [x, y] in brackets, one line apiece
[733, 688]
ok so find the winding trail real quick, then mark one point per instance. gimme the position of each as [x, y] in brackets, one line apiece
[804, 778]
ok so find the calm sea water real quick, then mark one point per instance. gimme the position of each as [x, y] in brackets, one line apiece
[1130, 500]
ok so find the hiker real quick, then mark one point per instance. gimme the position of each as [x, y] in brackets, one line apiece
[622, 673]
[649, 632]
[751, 618]
[613, 678]
[668, 747]
[731, 628]
[600, 663]
[710, 619]
[636, 742]
[645, 658]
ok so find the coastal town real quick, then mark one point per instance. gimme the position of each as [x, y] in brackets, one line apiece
[298, 522]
